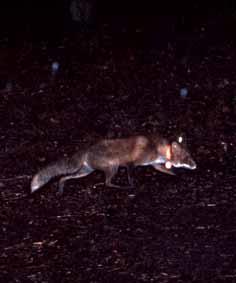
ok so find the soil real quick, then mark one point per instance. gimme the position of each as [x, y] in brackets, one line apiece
[169, 228]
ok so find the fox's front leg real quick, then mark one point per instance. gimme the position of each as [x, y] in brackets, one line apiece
[110, 173]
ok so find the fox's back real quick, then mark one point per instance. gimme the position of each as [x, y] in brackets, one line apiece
[116, 152]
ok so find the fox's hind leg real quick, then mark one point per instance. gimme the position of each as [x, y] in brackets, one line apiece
[84, 171]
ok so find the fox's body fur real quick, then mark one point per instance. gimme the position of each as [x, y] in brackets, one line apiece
[109, 154]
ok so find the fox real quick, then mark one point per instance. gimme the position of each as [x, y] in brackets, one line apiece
[108, 155]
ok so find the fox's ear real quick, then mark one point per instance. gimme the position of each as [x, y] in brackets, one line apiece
[175, 147]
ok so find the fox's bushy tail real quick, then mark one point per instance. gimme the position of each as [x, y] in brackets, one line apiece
[62, 167]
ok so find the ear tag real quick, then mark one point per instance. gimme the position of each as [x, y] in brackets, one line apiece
[168, 164]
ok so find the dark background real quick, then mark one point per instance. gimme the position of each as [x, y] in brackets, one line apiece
[121, 72]
[49, 18]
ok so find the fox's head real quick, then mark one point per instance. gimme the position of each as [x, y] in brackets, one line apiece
[180, 157]
[177, 155]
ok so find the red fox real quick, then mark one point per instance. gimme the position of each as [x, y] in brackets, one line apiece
[109, 154]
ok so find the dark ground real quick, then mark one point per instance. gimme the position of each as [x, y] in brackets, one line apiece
[169, 229]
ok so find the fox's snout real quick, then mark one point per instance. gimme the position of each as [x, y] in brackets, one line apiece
[188, 165]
